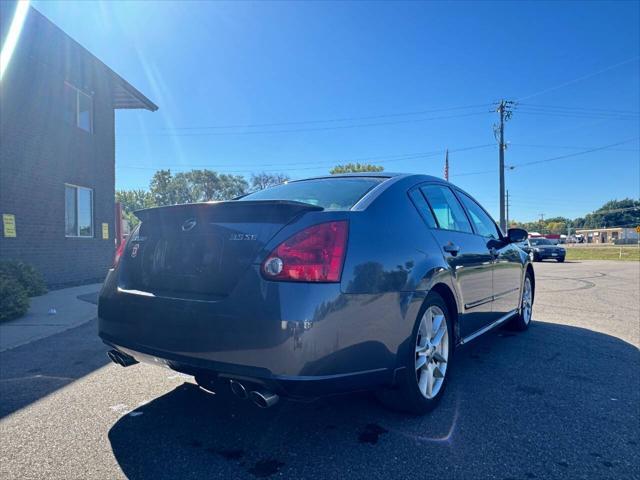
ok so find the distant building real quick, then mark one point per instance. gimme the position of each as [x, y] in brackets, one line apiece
[609, 235]
[57, 155]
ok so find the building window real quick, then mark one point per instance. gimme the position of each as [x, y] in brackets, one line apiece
[78, 108]
[78, 211]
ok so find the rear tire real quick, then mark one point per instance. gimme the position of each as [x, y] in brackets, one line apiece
[561, 260]
[422, 382]
[523, 319]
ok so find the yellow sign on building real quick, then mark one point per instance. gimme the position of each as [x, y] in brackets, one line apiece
[9, 223]
[105, 231]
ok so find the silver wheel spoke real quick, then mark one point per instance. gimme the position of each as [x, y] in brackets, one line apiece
[430, 381]
[439, 358]
[437, 373]
[438, 338]
[421, 362]
[421, 349]
[437, 323]
[424, 380]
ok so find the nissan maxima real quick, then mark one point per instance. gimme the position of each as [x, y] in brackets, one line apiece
[540, 249]
[316, 287]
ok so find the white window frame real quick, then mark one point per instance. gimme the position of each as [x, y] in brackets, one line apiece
[77, 189]
[90, 96]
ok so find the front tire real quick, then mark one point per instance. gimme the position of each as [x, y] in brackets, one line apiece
[426, 361]
[523, 319]
[560, 260]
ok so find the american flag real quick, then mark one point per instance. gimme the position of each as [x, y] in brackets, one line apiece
[446, 165]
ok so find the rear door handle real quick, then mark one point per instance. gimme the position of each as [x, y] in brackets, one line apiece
[451, 248]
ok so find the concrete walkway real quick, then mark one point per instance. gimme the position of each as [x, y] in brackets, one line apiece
[39, 323]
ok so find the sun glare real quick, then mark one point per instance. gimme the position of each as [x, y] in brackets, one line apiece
[14, 35]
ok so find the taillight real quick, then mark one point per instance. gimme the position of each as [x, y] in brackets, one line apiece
[315, 254]
[119, 252]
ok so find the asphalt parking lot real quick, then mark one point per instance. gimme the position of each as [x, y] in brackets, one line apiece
[561, 400]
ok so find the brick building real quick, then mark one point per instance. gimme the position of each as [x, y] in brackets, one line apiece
[57, 150]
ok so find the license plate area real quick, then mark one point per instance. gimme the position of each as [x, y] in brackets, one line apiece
[189, 263]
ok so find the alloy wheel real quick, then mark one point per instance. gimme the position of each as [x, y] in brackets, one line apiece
[527, 301]
[432, 352]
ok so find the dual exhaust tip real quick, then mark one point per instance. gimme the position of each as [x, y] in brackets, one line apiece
[261, 398]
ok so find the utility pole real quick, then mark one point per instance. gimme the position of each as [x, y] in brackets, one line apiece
[541, 222]
[505, 111]
[507, 207]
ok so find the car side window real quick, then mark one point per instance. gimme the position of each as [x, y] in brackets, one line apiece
[446, 208]
[423, 207]
[483, 223]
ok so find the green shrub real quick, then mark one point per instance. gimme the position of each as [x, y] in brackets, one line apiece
[30, 279]
[14, 301]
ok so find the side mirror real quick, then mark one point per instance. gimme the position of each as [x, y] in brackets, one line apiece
[517, 235]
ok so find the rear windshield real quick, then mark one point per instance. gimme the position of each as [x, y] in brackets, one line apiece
[339, 193]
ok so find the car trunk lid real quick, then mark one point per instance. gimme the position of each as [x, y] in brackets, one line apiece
[202, 248]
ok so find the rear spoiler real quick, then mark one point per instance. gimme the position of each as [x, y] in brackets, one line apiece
[268, 211]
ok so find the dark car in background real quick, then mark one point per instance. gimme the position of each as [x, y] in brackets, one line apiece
[316, 287]
[540, 249]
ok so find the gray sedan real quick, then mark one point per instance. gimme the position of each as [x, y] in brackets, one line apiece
[315, 287]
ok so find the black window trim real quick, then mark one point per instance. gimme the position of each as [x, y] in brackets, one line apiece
[458, 192]
[416, 188]
[444, 185]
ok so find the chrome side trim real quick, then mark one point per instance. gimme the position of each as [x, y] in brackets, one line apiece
[477, 303]
[485, 329]
[495, 297]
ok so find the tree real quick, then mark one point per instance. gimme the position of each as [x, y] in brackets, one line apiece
[195, 186]
[161, 188]
[262, 180]
[355, 168]
[132, 200]
[615, 213]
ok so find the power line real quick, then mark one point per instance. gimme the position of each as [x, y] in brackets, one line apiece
[300, 166]
[315, 129]
[577, 115]
[558, 107]
[568, 147]
[330, 120]
[569, 155]
[579, 79]
[512, 167]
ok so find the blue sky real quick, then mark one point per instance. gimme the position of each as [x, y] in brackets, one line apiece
[397, 72]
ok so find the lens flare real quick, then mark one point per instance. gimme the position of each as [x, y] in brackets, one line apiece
[22, 8]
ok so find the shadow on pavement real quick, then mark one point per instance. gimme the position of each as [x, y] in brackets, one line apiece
[32, 371]
[553, 402]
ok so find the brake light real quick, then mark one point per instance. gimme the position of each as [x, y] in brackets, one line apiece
[315, 254]
[119, 252]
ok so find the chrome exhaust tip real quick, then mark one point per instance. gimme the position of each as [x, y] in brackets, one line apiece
[238, 389]
[264, 399]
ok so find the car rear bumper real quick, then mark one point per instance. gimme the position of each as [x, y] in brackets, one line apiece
[285, 385]
[546, 256]
[295, 339]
